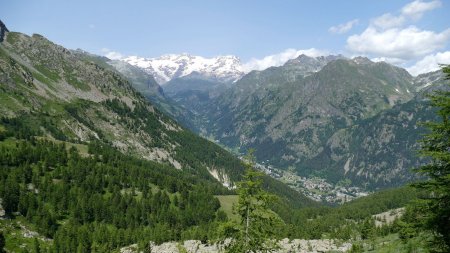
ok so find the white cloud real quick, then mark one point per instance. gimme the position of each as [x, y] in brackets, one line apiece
[395, 61]
[430, 63]
[280, 58]
[410, 12]
[393, 39]
[343, 28]
[387, 21]
[112, 54]
[407, 43]
[417, 8]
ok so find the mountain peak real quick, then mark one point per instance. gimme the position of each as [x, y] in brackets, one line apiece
[362, 60]
[303, 56]
[3, 30]
[305, 65]
[167, 67]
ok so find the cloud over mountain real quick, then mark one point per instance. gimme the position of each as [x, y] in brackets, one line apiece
[395, 38]
[280, 58]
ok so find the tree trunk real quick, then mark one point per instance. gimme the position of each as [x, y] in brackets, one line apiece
[246, 228]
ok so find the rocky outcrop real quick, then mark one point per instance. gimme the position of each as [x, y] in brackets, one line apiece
[3, 31]
[286, 246]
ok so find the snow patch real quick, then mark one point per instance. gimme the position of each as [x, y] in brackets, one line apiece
[164, 68]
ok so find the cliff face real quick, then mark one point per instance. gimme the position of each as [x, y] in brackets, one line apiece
[3, 30]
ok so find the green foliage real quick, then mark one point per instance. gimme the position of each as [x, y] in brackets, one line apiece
[227, 202]
[351, 220]
[71, 77]
[2, 242]
[409, 225]
[435, 208]
[258, 224]
[10, 194]
[52, 75]
[367, 230]
[36, 246]
[81, 202]
[357, 248]
[12, 37]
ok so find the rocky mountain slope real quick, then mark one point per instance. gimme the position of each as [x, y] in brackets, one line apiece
[296, 116]
[70, 96]
[167, 67]
[41, 76]
[281, 108]
[195, 91]
[306, 65]
[379, 151]
[147, 86]
[331, 117]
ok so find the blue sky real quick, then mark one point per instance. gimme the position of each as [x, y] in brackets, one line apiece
[261, 33]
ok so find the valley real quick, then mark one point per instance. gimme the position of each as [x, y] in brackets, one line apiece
[320, 137]
[114, 139]
[318, 189]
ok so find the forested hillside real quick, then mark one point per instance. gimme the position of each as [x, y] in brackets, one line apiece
[89, 162]
[68, 96]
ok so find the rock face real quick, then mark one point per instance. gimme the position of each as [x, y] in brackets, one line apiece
[305, 65]
[3, 30]
[286, 246]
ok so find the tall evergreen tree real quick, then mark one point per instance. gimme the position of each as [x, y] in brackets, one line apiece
[436, 145]
[11, 194]
[256, 231]
[2, 242]
[36, 246]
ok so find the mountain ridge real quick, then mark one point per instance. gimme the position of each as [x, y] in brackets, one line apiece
[166, 67]
[64, 95]
[289, 114]
[335, 95]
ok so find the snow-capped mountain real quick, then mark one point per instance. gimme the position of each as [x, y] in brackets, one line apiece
[167, 67]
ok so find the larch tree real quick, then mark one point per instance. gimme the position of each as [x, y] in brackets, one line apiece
[256, 229]
[435, 208]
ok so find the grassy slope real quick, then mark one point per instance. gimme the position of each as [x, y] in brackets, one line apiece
[17, 237]
[226, 204]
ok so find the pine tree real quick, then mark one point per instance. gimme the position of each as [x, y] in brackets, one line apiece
[11, 194]
[36, 246]
[255, 233]
[2, 242]
[436, 145]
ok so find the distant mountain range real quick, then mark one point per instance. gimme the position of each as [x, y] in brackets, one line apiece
[168, 67]
[327, 116]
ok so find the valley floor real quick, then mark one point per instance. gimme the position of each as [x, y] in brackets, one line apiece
[316, 188]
